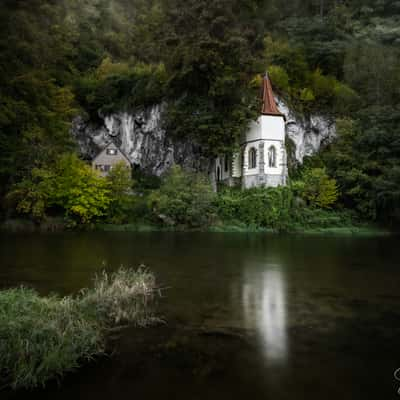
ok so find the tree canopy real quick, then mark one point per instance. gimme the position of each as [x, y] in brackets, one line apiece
[202, 58]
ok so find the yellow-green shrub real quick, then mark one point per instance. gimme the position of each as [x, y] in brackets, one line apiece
[317, 188]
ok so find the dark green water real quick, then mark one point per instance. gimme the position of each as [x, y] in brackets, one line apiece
[248, 316]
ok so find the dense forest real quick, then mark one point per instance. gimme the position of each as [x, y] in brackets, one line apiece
[203, 58]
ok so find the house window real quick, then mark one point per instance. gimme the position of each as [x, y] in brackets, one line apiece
[226, 164]
[252, 158]
[103, 168]
[272, 157]
[111, 152]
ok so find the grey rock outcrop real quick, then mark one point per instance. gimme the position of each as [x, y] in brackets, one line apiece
[141, 136]
[308, 133]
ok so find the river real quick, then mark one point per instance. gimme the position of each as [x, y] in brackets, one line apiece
[247, 315]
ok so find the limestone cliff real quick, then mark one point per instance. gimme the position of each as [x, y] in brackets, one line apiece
[308, 133]
[141, 136]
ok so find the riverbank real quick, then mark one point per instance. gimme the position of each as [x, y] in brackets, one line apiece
[58, 225]
[352, 230]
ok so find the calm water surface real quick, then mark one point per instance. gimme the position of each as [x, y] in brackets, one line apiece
[248, 316]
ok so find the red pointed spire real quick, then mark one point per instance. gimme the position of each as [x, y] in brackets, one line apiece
[269, 106]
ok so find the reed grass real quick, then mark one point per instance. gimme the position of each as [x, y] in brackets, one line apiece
[42, 338]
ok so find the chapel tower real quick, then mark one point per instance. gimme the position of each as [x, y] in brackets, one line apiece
[262, 159]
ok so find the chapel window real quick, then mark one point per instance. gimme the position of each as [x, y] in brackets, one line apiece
[272, 157]
[252, 158]
[111, 152]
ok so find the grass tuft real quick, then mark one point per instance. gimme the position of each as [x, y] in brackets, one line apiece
[42, 338]
[122, 297]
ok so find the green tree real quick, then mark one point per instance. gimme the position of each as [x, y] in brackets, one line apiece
[280, 78]
[364, 159]
[210, 49]
[30, 197]
[184, 199]
[78, 189]
[317, 188]
[120, 186]
[71, 185]
[200, 58]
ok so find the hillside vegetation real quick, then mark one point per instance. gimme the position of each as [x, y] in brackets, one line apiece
[61, 58]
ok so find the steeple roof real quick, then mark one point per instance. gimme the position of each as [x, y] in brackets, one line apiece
[269, 106]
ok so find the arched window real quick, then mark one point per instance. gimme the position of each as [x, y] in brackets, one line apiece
[218, 174]
[272, 157]
[226, 164]
[252, 158]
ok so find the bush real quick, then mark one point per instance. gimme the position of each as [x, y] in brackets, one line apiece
[279, 77]
[42, 338]
[70, 185]
[317, 188]
[78, 189]
[320, 219]
[265, 207]
[120, 186]
[279, 209]
[184, 199]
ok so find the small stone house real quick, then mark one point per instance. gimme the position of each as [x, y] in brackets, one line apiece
[261, 160]
[108, 158]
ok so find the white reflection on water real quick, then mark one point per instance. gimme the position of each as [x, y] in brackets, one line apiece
[264, 306]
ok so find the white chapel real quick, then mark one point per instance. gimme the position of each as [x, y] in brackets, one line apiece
[261, 160]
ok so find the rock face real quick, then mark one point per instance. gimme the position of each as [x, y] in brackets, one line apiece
[141, 137]
[307, 133]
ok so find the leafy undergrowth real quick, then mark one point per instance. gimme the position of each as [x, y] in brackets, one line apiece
[42, 338]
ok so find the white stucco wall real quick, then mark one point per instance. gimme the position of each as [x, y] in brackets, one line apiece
[272, 127]
[236, 165]
[254, 132]
[269, 130]
[266, 127]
